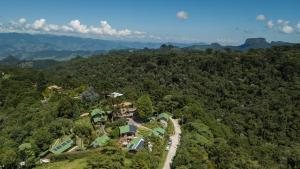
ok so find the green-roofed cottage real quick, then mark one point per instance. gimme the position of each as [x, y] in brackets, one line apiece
[164, 116]
[62, 147]
[136, 144]
[159, 131]
[127, 130]
[100, 141]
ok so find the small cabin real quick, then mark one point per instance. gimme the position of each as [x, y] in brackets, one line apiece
[160, 132]
[62, 147]
[127, 130]
[164, 117]
[136, 144]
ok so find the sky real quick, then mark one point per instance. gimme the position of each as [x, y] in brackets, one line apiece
[222, 21]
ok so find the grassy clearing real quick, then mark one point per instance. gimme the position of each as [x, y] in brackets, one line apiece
[84, 120]
[170, 128]
[66, 164]
[153, 124]
[144, 132]
[163, 156]
[73, 160]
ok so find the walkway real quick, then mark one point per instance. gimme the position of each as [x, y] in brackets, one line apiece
[175, 143]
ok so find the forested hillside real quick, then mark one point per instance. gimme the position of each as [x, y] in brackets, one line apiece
[237, 110]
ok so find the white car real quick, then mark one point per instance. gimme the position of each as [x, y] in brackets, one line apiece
[167, 148]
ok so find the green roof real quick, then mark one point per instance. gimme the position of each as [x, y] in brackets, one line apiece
[159, 131]
[127, 129]
[62, 147]
[124, 129]
[164, 116]
[100, 141]
[136, 143]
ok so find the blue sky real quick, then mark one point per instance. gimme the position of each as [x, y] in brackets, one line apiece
[223, 21]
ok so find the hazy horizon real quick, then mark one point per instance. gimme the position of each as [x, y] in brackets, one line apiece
[229, 23]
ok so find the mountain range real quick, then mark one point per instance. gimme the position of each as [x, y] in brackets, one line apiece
[43, 46]
[250, 43]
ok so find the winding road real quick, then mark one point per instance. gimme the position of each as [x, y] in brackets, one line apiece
[175, 142]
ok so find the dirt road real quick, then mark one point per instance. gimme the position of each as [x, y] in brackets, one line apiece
[175, 143]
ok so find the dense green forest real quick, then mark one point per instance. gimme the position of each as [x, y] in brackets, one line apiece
[237, 109]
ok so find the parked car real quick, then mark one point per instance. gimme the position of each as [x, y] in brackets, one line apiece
[170, 142]
[167, 148]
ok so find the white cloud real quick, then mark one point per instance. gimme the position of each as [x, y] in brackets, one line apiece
[261, 17]
[270, 24]
[65, 28]
[22, 20]
[279, 21]
[107, 29]
[53, 27]
[73, 27]
[139, 32]
[182, 15]
[287, 29]
[280, 25]
[125, 32]
[78, 27]
[39, 24]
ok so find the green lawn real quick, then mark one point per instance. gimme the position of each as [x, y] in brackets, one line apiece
[66, 164]
[143, 132]
[170, 128]
[74, 160]
[152, 124]
[162, 162]
[85, 120]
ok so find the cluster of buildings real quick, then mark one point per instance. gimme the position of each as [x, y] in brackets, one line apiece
[128, 136]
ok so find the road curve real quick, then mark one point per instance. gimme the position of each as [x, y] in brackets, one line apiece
[175, 143]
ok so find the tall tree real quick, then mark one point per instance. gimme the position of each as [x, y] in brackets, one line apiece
[145, 107]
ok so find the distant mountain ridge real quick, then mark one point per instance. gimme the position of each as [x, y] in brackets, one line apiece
[250, 43]
[44, 46]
